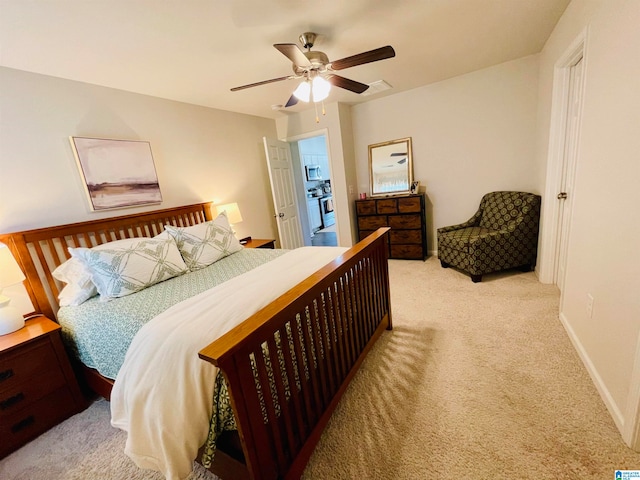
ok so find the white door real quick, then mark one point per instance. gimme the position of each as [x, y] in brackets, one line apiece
[283, 190]
[565, 195]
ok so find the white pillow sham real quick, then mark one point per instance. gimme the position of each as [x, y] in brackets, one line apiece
[205, 243]
[127, 266]
[79, 288]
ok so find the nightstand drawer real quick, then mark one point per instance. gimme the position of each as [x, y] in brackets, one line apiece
[26, 423]
[31, 390]
[23, 364]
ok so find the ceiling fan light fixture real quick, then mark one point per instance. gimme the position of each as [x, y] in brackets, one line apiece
[320, 88]
[303, 92]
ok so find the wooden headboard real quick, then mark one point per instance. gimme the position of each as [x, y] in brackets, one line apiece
[40, 251]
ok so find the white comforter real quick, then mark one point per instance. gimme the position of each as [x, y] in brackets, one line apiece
[163, 393]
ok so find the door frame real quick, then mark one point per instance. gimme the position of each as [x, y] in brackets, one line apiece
[549, 240]
[317, 133]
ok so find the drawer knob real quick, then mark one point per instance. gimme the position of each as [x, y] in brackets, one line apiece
[6, 374]
[11, 401]
[22, 424]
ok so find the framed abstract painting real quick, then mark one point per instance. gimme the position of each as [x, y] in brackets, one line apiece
[116, 173]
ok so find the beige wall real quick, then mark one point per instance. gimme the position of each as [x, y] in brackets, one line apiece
[471, 135]
[201, 154]
[603, 258]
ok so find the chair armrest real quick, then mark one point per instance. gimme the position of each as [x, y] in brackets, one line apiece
[472, 222]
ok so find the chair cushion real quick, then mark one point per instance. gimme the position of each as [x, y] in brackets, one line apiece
[459, 239]
[500, 208]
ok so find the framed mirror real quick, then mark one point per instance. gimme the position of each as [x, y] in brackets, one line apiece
[391, 167]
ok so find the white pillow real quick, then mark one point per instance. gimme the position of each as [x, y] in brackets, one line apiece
[205, 243]
[127, 266]
[79, 287]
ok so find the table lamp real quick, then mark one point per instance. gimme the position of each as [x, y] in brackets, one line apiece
[10, 274]
[233, 213]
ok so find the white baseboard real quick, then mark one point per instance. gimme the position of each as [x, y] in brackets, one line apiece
[611, 405]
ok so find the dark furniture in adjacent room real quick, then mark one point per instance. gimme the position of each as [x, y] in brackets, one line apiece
[502, 234]
[406, 217]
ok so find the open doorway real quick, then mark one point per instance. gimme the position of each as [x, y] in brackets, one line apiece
[311, 163]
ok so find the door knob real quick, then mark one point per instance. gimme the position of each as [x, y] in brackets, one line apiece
[279, 215]
[562, 195]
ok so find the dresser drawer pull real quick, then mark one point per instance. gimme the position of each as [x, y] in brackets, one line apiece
[6, 374]
[22, 424]
[10, 402]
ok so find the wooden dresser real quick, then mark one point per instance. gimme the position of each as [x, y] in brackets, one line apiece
[38, 388]
[406, 217]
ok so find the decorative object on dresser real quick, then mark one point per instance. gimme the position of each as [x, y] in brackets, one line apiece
[502, 234]
[391, 167]
[116, 173]
[37, 386]
[10, 274]
[405, 215]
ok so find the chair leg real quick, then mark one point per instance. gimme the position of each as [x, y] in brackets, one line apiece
[444, 264]
[476, 278]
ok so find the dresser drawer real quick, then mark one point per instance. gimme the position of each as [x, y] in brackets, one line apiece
[405, 221]
[362, 234]
[34, 419]
[366, 207]
[20, 366]
[407, 251]
[409, 205]
[387, 206]
[372, 223]
[405, 236]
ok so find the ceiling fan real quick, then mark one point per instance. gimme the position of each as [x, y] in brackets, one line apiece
[316, 70]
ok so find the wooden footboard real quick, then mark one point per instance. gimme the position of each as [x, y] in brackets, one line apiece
[287, 366]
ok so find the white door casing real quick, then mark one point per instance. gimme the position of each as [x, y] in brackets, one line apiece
[283, 191]
[565, 192]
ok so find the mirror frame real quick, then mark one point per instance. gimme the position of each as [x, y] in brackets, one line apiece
[385, 148]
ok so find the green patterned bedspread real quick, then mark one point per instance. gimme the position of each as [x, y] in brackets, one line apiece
[99, 333]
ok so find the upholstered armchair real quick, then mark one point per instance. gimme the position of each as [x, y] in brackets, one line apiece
[502, 234]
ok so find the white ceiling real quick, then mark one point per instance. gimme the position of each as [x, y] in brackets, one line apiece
[194, 51]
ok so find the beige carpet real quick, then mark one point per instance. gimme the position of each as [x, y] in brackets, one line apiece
[476, 381]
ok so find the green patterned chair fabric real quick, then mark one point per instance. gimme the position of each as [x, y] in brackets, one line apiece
[502, 234]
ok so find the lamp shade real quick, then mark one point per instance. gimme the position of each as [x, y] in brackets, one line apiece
[232, 210]
[320, 89]
[303, 91]
[10, 272]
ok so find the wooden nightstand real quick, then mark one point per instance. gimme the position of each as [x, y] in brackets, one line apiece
[258, 243]
[38, 388]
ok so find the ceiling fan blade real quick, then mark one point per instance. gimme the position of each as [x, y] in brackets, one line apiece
[264, 82]
[381, 53]
[293, 53]
[293, 100]
[347, 83]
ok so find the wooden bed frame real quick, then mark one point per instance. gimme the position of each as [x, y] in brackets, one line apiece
[330, 321]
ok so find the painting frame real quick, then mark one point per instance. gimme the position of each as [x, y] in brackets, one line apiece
[116, 173]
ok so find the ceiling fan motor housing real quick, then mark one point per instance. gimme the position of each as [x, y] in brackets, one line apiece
[318, 62]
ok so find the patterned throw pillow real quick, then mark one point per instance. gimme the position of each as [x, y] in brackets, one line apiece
[127, 266]
[205, 243]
